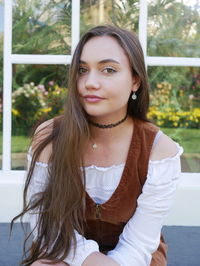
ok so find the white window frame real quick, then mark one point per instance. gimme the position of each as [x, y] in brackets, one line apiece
[12, 181]
[10, 59]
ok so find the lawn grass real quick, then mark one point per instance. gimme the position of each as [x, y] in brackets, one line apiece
[19, 144]
[188, 138]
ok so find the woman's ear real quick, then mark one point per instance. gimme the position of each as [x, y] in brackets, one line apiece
[136, 83]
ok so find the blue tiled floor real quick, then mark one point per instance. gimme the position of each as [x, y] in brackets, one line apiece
[183, 245]
[11, 249]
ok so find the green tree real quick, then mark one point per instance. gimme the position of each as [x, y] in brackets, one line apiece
[174, 30]
[125, 14]
[41, 27]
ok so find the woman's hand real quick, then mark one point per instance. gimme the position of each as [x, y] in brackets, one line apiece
[45, 263]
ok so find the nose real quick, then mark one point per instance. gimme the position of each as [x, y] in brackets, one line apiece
[92, 81]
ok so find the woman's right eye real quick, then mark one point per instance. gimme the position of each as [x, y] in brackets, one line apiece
[82, 70]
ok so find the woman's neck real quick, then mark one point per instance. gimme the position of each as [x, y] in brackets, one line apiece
[104, 145]
[107, 135]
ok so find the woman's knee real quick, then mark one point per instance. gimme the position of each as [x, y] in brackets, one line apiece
[37, 263]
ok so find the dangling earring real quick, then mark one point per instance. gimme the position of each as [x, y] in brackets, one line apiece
[134, 96]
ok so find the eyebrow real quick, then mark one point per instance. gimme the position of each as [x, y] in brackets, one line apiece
[102, 61]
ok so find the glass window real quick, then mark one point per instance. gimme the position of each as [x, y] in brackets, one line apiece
[41, 27]
[1, 74]
[175, 107]
[37, 96]
[121, 13]
[44, 27]
[173, 28]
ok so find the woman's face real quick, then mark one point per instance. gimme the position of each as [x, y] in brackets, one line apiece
[105, 80]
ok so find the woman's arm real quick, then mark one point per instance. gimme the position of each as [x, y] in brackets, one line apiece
[141, 235]
[84, 247]
[87, 250]
[38, 183]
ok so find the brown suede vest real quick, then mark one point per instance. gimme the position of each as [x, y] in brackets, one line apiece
[105, 222]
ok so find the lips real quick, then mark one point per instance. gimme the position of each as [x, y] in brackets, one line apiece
[92, 98]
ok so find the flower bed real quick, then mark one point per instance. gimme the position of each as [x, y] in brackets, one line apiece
[178, 119]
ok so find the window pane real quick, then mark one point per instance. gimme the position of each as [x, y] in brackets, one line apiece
[175, 107]
[174, 28]
[1, 74]
[41, 27]
[37, 96]
[121, 13]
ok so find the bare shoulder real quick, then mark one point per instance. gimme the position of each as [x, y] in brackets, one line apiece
[43, 131]
[164, 148]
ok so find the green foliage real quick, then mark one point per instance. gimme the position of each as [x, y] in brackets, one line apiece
[32, 104]
[1, 63]
[120, 13]
[44, 27]
[184, 82]
[173, 29]
[177, 76]
[39, 27]
[167, 108]
[168, 117]
[40, 74]
[125, 14]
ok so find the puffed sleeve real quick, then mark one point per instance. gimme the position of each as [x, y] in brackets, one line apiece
[38, 182]
[141, 235]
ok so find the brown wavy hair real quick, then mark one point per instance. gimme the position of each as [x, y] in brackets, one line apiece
[61, 206]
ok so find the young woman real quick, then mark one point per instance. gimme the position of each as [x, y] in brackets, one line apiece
[101, 178]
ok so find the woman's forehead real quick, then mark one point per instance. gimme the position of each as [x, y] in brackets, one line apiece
[101, 48]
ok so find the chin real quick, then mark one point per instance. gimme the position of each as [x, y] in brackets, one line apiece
[94, 113]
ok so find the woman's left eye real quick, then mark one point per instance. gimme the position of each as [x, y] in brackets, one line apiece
[82, 70]
[109, 70]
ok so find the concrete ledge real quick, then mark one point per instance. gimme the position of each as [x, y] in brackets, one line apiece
[11, 194]
[184, 211]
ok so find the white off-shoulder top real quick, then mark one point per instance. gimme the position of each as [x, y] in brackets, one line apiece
[141, 235]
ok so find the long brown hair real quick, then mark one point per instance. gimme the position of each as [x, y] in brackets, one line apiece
[60, 207]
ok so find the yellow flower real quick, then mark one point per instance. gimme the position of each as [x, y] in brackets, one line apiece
[160, 123]
[159, 85]
[175, 124]
[15, 112]
[46, 110]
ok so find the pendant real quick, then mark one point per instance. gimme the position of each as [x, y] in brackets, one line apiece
[94, 146]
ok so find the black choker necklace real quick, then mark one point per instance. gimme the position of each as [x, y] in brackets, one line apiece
[108, 125]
